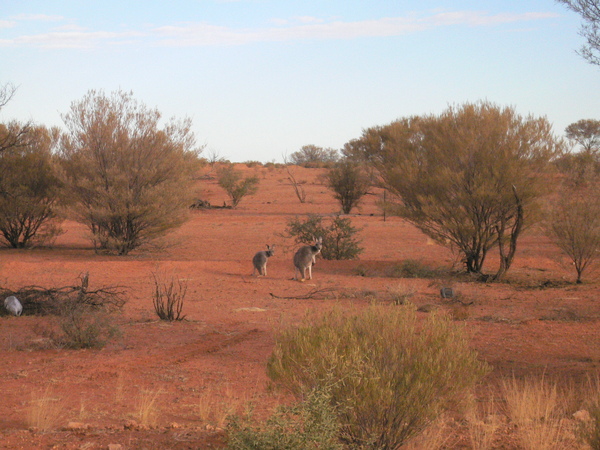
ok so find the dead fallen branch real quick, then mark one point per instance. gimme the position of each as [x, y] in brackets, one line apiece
[312, 294]
[46, 301]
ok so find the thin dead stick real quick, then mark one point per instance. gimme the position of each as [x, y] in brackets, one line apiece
[310, 294]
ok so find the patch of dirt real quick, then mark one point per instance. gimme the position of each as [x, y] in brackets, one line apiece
[213, 363]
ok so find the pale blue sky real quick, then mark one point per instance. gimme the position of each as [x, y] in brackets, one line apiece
[261, 78]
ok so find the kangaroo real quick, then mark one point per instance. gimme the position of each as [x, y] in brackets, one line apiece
[260, 260]
[305, 259]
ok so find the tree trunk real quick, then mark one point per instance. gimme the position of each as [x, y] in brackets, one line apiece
[506, 257]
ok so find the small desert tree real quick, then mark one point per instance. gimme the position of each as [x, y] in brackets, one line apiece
[349, 183]
[130, 180]
[586, 133]
[29, 188]
[574, 225]
[469, 178]
[235, 184]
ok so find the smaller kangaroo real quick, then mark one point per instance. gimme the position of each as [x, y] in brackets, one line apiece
[13, 305]
[260, 260]
[305, 259]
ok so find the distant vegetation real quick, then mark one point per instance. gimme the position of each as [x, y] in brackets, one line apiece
[472, 178]
[314, 156]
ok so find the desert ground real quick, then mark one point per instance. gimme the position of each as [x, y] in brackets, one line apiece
[192, 373]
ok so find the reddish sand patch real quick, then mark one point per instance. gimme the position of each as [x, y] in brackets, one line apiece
[216, 358]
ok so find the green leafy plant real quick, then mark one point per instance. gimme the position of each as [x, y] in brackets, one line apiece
[339, 241]
[311, 423]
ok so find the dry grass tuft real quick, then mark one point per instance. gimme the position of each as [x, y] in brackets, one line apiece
[483, 422]
[534, 406]
[147, 411]
[217, 404]
[45, 410]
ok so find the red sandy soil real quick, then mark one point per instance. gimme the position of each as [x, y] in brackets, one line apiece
[536, 322]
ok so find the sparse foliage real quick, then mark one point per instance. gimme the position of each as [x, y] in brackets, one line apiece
[314, 156]
[469, 179]
[235, 184]
[339, 236]
[349, 183]
[130, 180]
[574, 225]
[29, 190]
[589, 10]
[412, 373]
[7, 92]
[13, 134]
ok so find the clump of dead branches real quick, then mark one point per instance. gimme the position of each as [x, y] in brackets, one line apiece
[38, 300]
[169, 296]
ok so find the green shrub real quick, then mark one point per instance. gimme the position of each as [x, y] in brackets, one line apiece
[338, 235]
[311, 423]
[389, 375]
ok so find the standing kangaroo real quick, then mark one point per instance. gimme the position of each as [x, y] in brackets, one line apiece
[260, 260]
[305, 259]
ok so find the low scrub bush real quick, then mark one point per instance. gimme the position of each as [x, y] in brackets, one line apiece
[84, 326]
[389, 375]
[311, 423]
[339, 236]
[411, 268]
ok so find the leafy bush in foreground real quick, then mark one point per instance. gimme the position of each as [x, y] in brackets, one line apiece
[388, 374]
[311, 423]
